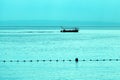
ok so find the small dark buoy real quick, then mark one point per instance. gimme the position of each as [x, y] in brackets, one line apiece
[24, 60]
[83, 60]
[63, 60]
[17, 61]
[97, 60]
[110, 59]
[76, 59]
[31, 61]
[50, 60]
[90, 59]
[103, 59]
[4, 61]
[43, 60]
[11, 60]
[117, 59]
[37, 60]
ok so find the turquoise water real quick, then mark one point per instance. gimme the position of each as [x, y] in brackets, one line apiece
[51, 44]
[51, 27]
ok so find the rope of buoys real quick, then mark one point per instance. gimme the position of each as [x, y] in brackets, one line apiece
[75, 60]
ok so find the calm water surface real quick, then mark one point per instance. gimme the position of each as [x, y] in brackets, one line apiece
[51, 44]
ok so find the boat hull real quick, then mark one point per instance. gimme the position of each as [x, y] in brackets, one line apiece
[69, 31]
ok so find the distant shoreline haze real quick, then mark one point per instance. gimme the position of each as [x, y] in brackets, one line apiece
[54, 24]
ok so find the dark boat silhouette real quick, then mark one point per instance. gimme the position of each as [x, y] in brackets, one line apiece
[69, 30]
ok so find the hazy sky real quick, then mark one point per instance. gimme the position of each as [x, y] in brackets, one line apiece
[67, 10]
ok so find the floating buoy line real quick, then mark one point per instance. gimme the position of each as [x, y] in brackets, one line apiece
[75, 60]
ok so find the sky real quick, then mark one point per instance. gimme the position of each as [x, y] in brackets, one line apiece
[61, 10]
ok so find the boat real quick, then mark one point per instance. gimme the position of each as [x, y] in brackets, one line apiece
[70, 30]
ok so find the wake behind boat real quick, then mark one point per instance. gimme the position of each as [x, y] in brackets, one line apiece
[70, 30]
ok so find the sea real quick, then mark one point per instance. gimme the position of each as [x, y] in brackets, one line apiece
[48, 54]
